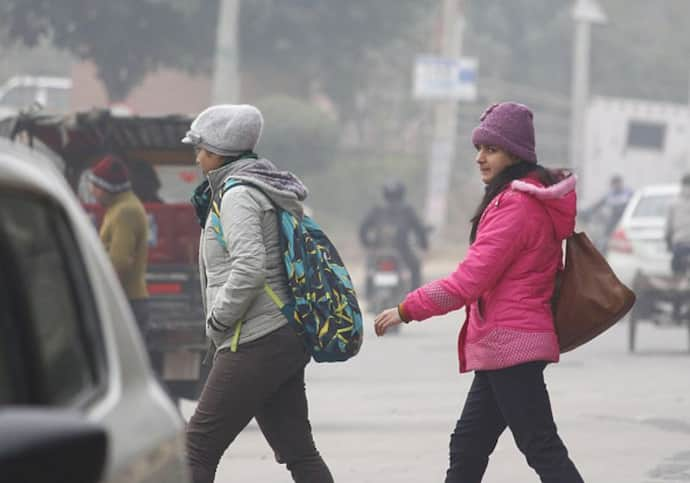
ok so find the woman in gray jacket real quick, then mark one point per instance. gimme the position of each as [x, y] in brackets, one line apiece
[258, 367]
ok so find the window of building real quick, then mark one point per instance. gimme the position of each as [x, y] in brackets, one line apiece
[646, 135]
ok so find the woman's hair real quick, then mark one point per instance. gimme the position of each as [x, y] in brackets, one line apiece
[502, 180]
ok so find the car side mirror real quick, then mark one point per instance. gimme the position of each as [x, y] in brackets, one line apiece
[50, 445]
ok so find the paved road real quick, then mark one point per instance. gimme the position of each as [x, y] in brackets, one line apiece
[386, 415]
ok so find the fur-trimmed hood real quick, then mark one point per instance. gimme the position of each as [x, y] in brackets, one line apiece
[559, 200]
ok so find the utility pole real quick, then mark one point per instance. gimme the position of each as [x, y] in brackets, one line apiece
[445, 123]
[585, 13]
[226, 80]
[687, 156]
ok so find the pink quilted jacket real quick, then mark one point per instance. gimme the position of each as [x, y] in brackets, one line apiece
[507, 278]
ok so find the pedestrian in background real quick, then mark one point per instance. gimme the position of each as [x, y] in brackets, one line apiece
[605, 214]
[259, 361]
[678, 229]
[124, 231]
[506, 282]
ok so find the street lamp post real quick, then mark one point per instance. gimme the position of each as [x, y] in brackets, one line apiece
[445, 124]
[226, 79]
[585, 13]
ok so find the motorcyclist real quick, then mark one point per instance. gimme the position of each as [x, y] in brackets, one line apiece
[390, 225]
[678, 229]
[609, 209]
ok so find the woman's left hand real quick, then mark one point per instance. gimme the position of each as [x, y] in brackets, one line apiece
[386, 319]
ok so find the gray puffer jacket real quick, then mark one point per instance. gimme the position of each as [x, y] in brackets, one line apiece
[232, 280]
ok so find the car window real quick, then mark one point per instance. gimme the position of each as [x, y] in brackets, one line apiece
[653, 206]
[12, 374]
[12, 389]
[59, 306]
[19, 97]
[57, 99]
[7, 393]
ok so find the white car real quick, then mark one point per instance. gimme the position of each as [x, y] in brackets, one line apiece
[78, 399]
[638, 242]
[20, 92]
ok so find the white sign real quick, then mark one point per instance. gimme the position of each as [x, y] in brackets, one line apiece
[443, 78]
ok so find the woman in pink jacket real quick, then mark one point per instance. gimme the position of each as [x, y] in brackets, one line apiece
[505, 284]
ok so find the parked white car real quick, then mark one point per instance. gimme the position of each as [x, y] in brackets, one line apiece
[638, 242]
[78, 399]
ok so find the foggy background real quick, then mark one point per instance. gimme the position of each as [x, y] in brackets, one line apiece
[334, 78]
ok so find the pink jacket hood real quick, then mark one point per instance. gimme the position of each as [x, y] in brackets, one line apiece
[559, 200]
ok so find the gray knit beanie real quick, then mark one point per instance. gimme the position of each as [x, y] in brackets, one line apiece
[226, 129]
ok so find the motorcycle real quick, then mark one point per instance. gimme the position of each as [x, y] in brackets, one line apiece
[387, 279]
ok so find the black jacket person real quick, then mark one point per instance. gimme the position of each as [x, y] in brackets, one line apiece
[392, 225]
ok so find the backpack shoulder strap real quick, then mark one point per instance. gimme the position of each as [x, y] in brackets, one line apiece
[228, 184]
[232, 182]
[215, 210]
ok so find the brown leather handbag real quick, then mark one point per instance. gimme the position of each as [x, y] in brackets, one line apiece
[588, 298]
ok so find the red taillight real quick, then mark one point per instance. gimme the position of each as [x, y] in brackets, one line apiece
[388, 265]
[164, 288]
[619, 242]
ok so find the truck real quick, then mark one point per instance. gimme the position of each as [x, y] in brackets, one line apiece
[163, 175]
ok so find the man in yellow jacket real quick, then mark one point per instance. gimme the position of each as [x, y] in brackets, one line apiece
[124, 231]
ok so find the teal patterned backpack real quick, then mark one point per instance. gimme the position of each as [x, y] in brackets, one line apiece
[323, 307]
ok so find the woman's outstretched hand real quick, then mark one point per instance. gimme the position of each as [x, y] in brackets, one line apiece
[386, 319]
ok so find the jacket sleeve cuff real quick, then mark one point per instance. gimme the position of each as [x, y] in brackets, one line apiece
[403, 314]
[216, 325]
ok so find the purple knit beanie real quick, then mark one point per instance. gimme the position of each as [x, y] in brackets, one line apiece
[507, 125]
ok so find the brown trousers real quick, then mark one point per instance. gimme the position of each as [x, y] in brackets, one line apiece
[264, 379]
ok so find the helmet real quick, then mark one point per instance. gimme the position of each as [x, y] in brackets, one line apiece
[394, 191]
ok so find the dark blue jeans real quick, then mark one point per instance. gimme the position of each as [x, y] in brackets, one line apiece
[515, 397]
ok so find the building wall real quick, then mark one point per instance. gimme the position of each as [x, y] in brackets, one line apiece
[165, 91]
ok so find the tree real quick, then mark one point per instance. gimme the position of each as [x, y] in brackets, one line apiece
[290, 45]
[285, 44]
[641, 52]
[525, 42]
[126, 39]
